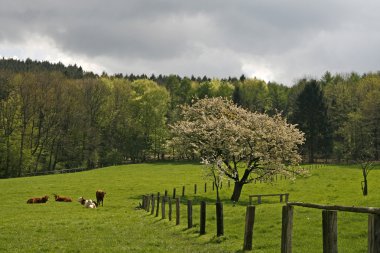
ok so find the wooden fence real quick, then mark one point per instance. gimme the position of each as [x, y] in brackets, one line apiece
[50, 172]
[151, 203]
[329, 221]
[329, 226]
[155, 203]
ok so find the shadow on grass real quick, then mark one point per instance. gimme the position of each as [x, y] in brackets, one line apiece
[193, 231]
[218, 239]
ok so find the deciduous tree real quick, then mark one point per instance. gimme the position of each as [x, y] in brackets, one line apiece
[242, 145]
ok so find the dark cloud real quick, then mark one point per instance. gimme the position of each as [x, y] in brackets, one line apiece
[284, 39]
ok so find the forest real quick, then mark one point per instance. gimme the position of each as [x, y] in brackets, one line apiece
[55, 117]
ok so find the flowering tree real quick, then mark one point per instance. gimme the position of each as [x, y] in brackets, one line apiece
[242, 145]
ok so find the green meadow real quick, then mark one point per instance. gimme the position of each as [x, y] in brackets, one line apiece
[121, 227]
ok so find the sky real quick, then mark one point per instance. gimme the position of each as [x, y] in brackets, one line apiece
[273, 40]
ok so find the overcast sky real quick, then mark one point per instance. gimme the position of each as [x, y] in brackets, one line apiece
[274, 40]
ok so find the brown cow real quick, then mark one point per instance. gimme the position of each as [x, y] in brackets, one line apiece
[61, 198]
[100, 196]
[44, 199]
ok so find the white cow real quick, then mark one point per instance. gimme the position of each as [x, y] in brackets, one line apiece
[88, 203]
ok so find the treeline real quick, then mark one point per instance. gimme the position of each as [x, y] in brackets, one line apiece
[54, 117]
[71, 71]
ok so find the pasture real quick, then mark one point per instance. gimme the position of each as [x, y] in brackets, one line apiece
[120, 227]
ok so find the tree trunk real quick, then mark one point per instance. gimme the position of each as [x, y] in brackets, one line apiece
[7, 161]
[216, 183]
[376, 144]
[217, 193]
[311, 151]
[237, 191]
[365, 183]
[21, 157]
[51, 151]
[56, 154]
[365, 188]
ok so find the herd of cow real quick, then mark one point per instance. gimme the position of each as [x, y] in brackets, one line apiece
[85, 202]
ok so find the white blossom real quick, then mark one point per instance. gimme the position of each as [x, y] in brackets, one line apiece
[230, 137]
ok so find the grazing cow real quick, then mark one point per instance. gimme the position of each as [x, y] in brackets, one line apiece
[61, 198]
[100, 196]
[43, 199]
[88, 203]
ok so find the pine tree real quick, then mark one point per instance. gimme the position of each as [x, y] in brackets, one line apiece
[311, 116]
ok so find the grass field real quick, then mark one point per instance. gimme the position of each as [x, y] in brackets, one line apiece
[119, 227]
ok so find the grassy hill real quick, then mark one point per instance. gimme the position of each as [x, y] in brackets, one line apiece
[119, 227]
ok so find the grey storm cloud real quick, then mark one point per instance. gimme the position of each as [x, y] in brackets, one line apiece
[284, 39]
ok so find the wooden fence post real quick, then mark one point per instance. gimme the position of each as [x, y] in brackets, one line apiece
[166, 193]
[373, 233]
[195, 189]
[205, 187]
[174, 191]
[163, 207]
[158, 204]
[202, 229]
[152, 211]
[147, 197]
[147, 203]
[330, 231]
[287, 229]
[183, 191]
[177, 211]
[189, 214]
[248, 231]
[143, 202]
[219, 219]
[170, 208]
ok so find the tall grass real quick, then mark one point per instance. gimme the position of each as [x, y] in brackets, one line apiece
[120, 227]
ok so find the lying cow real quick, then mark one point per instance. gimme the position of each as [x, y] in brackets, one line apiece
[43, 199]
[61, 198]
[100, 196]
[88, 203]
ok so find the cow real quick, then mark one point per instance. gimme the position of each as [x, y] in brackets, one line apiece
[88, 203]
[100, 196]
[43, 199]
[61, 198]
